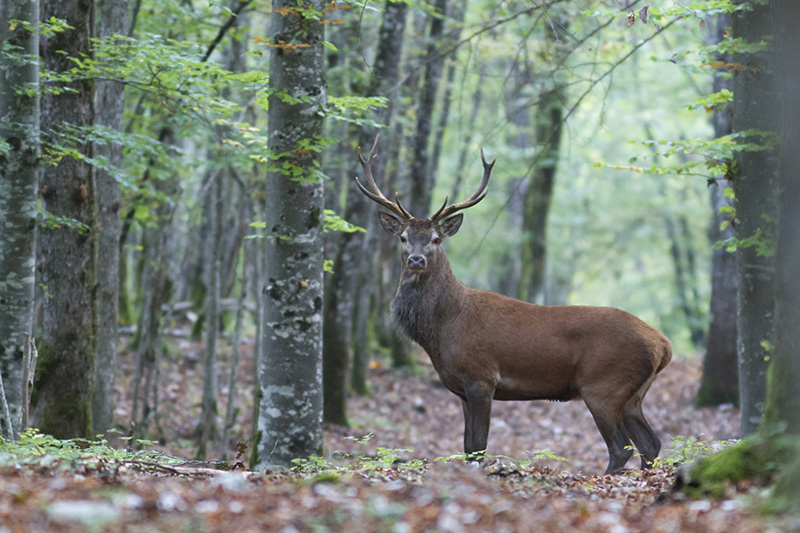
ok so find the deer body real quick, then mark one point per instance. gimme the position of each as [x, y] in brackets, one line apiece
[486, 346]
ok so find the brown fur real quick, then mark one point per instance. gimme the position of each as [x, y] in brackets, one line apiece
[483, 344]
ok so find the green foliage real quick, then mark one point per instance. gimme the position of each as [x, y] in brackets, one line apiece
[49, 221]
[536, 455]
[688, 449]
[36, 449]
[712, 157]
[713, 102]
[334, 222]
[384, 459]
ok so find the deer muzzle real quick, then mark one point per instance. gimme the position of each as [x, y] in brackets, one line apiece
[417, 262]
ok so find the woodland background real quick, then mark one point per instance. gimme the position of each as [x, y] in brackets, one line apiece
[164, 157]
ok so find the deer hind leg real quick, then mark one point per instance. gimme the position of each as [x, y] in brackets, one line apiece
[477, 405]
[613, 432]
[643, 436]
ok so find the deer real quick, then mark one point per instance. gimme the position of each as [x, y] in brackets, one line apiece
[485, 346]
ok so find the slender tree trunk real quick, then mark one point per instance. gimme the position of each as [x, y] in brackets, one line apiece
[458, 12]
[754, 185]
[290, 411]
[236, 341]
[68, 347]
[110, 104]
[19, 129]
[720, 381]
[213, 259]
[538, 195]
[421, 176]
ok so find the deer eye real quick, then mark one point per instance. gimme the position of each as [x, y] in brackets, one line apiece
[436, 240]
[402, 238]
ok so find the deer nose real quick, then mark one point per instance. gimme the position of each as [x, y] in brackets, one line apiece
[417, 262]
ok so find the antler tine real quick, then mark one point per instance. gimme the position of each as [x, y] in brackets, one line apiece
[476, 197]
[374, 192]
[438, 213]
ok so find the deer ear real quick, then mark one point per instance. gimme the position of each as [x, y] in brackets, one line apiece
[390, 223]
[451, 225]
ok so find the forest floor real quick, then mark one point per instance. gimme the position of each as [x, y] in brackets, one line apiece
[544, 474]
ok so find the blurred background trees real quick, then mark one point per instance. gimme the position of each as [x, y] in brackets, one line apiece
[599, 115]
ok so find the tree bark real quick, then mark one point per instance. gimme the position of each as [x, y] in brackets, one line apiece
[754, 107]
[110, 103]
[539, 192]
[290, 411]
[720, 381]
[213, 259]
[19, 129]
[353, 260]
[783, 396]
[68, 346]
[421, 177]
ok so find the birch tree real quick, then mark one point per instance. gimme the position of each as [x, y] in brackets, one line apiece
[290, 410]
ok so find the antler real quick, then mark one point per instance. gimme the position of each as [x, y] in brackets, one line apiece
[374, 193]
[479, 195]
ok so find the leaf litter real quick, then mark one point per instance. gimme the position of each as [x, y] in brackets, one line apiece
[397, 468]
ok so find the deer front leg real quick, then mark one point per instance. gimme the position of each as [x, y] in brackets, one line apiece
[477, 405]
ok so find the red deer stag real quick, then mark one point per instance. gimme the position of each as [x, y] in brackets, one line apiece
[487, 346]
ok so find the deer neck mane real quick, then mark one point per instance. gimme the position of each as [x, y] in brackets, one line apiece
[424, 302]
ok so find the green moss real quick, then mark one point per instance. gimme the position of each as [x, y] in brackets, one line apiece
[768, 457]
[712, 475]
[786, 493]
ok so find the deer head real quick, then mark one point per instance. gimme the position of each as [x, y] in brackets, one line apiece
[421, 238]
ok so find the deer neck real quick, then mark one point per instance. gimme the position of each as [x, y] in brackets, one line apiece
[425, 302]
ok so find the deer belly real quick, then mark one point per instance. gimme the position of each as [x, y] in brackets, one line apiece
[516, 389]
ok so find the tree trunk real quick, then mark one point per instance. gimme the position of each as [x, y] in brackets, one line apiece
[421, 176]
[539, 192]
[213, 260]
[68, 346]
[720, 381]
[110, 103]
[772, 453]
[19, 129]
[290, 411]
[453, 36]
[754, 107]
[353, 260]
[783, 396]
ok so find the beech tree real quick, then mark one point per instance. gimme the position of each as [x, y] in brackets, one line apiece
[754, 108]
[112, 20]
[290, 410]
[19, 164]
[773, 450]
[68, 345]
